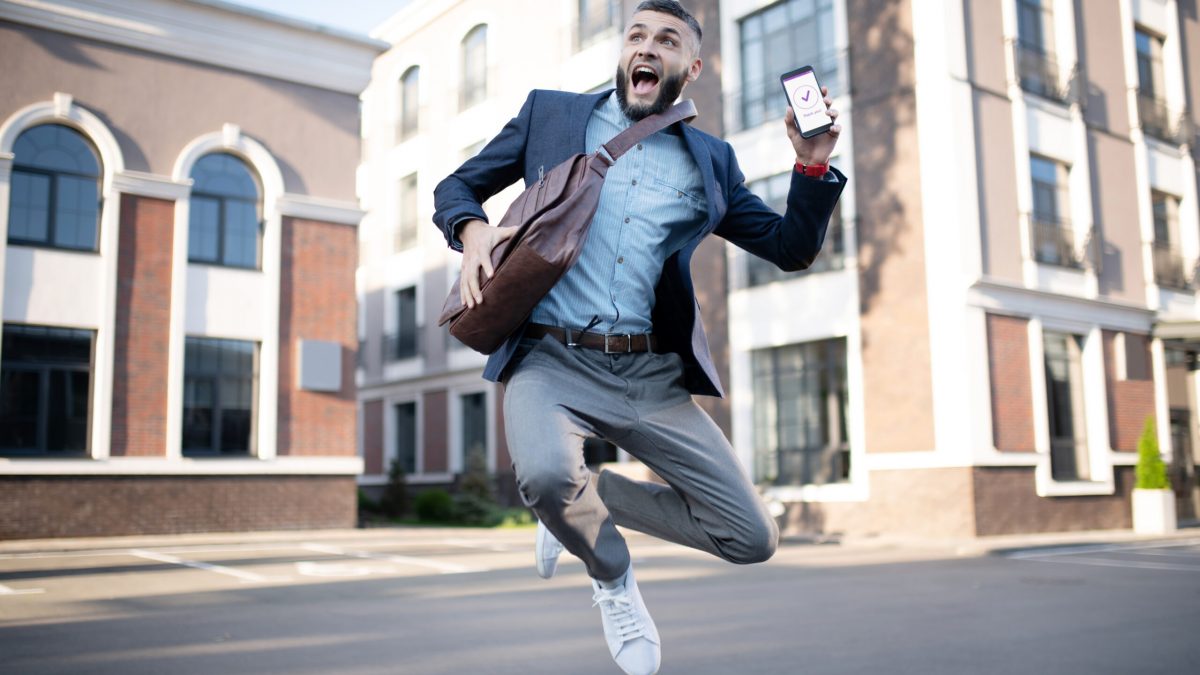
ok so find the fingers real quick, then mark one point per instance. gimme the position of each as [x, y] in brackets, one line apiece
[833, 113]
[825, 93]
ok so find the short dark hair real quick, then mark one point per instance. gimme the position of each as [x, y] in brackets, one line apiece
[674, 9]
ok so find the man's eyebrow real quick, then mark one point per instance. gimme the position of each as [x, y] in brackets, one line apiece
[664, 29]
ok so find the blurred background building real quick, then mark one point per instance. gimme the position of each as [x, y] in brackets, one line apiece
[177, 233]
[1006, 294]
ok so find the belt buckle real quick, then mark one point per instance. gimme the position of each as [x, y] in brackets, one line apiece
[628, 343]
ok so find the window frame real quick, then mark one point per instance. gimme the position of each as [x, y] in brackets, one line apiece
[473, 85]
[398, 347]
[45, 370]
[587, 32]
[215, 450]
[221, 201]
[408, 119]
[52, 193]
[407, 233]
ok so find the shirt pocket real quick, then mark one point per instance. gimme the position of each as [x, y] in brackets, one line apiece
[691, 197]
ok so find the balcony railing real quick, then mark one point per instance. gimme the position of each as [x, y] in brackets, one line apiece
[1055, 242]
[1161, 122]
[1171, 269]
[400, 346]
[763, 101]
[1039, 74]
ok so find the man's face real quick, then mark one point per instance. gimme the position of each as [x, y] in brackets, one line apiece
[661, 55]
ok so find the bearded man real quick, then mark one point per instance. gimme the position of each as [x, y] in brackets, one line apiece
[616, 349]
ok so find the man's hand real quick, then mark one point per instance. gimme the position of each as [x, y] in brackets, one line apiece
[478, 239]
[815, 150]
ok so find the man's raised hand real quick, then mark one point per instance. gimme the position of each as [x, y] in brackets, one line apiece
[478, 239]
[819, 148]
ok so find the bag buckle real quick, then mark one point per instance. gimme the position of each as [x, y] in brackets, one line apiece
[628, 343]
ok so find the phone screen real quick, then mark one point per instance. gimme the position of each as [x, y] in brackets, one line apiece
[804, 94]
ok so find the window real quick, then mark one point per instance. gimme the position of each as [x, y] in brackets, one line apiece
[474, 428]
[45, 390]
[406, 220]
[800, 403]
[409, 103]
[1157, 118]
[224, 225]
[406, 436]
[219, 386]
[774, 191]
[474, 68]
[55, 198]
[595, 17]
[776, 40]
[1037, 69]
[1053, 240]
[1170, 268]
[402, 344]
[1064, 398]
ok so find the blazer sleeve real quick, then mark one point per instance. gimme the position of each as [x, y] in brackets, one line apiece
[792, 240]
[460, 196]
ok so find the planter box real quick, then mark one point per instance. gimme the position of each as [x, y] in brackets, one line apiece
[1153, 511]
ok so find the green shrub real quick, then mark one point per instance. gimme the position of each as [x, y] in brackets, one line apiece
[471, 509]
[366, 504]
[394, 503]
[475, 480]
[1151, 470]
[435, 506]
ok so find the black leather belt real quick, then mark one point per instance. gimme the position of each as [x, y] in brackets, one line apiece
[609, 343]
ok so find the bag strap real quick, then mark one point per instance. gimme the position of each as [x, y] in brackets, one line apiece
[622, 142]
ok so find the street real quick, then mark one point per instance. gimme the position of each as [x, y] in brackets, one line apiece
[468, 601]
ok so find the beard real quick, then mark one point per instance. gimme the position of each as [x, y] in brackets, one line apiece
[669, 89]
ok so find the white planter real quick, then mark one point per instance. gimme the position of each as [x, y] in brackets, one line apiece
[1153, 511]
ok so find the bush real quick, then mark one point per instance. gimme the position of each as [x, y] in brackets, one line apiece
[394, 503]
[475, 480]
[435, 506]
[366, 504]
[1151, 471]
[470, 509]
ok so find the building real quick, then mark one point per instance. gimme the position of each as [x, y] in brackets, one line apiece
[177, 232]
[1010, 289]
[456, 72]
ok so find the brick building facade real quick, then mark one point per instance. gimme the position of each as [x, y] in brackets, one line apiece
[178, 225]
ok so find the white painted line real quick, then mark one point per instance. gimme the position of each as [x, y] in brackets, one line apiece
[485, 546]
[5, 590]
[1097, 548]
[341, 570]
[108, 553]
[219, 569]
[1108, 562]
[443, 567]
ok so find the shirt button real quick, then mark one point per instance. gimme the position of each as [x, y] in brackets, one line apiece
[639, 146]
[635, 181]
[627, 220]
[621, 260]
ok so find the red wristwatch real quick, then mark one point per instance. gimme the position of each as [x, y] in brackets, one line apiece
[812, 170]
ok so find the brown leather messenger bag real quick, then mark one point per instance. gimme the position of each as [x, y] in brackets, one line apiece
[552, 218]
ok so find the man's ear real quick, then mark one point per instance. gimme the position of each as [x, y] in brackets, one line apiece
[694, 70]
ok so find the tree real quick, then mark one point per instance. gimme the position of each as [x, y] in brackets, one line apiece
[1151, 471]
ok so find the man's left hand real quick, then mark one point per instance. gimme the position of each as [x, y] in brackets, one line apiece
[819, 148]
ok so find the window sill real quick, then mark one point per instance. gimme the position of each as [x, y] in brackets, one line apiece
[1082, 488]
[51, 247]
[183, 466]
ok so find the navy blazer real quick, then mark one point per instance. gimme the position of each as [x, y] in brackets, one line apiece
[551, 128]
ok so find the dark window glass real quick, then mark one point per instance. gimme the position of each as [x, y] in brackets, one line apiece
[224, 222]
[219, 381]
[402, 342]
[474, 67]
[1149, 63]
[406, 436]
[595, 17]
[777, 39]
[55, 189]
[1064, 398]
[800, 411]
[409, 103]
[45, 390]
[474, 427]
[774, 191]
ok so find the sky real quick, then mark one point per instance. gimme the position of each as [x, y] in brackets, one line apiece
[357, 16]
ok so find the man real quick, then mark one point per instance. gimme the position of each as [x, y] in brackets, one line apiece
[616, 348]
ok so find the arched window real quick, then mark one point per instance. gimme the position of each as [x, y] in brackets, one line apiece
[474, 67]
[55, 199]
[409, 112]
[225, 224]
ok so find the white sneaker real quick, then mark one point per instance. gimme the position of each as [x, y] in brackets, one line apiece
[546, 552]
[632, 637]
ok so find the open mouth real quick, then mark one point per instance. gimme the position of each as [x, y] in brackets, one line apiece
[644, 79]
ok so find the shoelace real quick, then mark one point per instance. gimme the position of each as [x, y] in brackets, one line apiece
[618, 606]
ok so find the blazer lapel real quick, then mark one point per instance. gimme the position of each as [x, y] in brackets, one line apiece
[712, 191]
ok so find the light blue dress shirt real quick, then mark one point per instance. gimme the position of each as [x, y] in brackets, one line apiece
[650, 206]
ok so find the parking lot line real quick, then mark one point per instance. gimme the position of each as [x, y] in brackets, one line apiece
[200, 565]
[1109, 562]
[443, 567]
[1097, 548]
[5, 590]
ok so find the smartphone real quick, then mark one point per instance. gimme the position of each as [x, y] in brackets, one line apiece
[804, 94]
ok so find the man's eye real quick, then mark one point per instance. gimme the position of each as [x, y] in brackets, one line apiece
[635, 38]
[669, 42]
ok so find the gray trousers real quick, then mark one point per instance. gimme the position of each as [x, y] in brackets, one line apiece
[556, 397]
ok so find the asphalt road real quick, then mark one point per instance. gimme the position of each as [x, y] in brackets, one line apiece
[463, 601]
